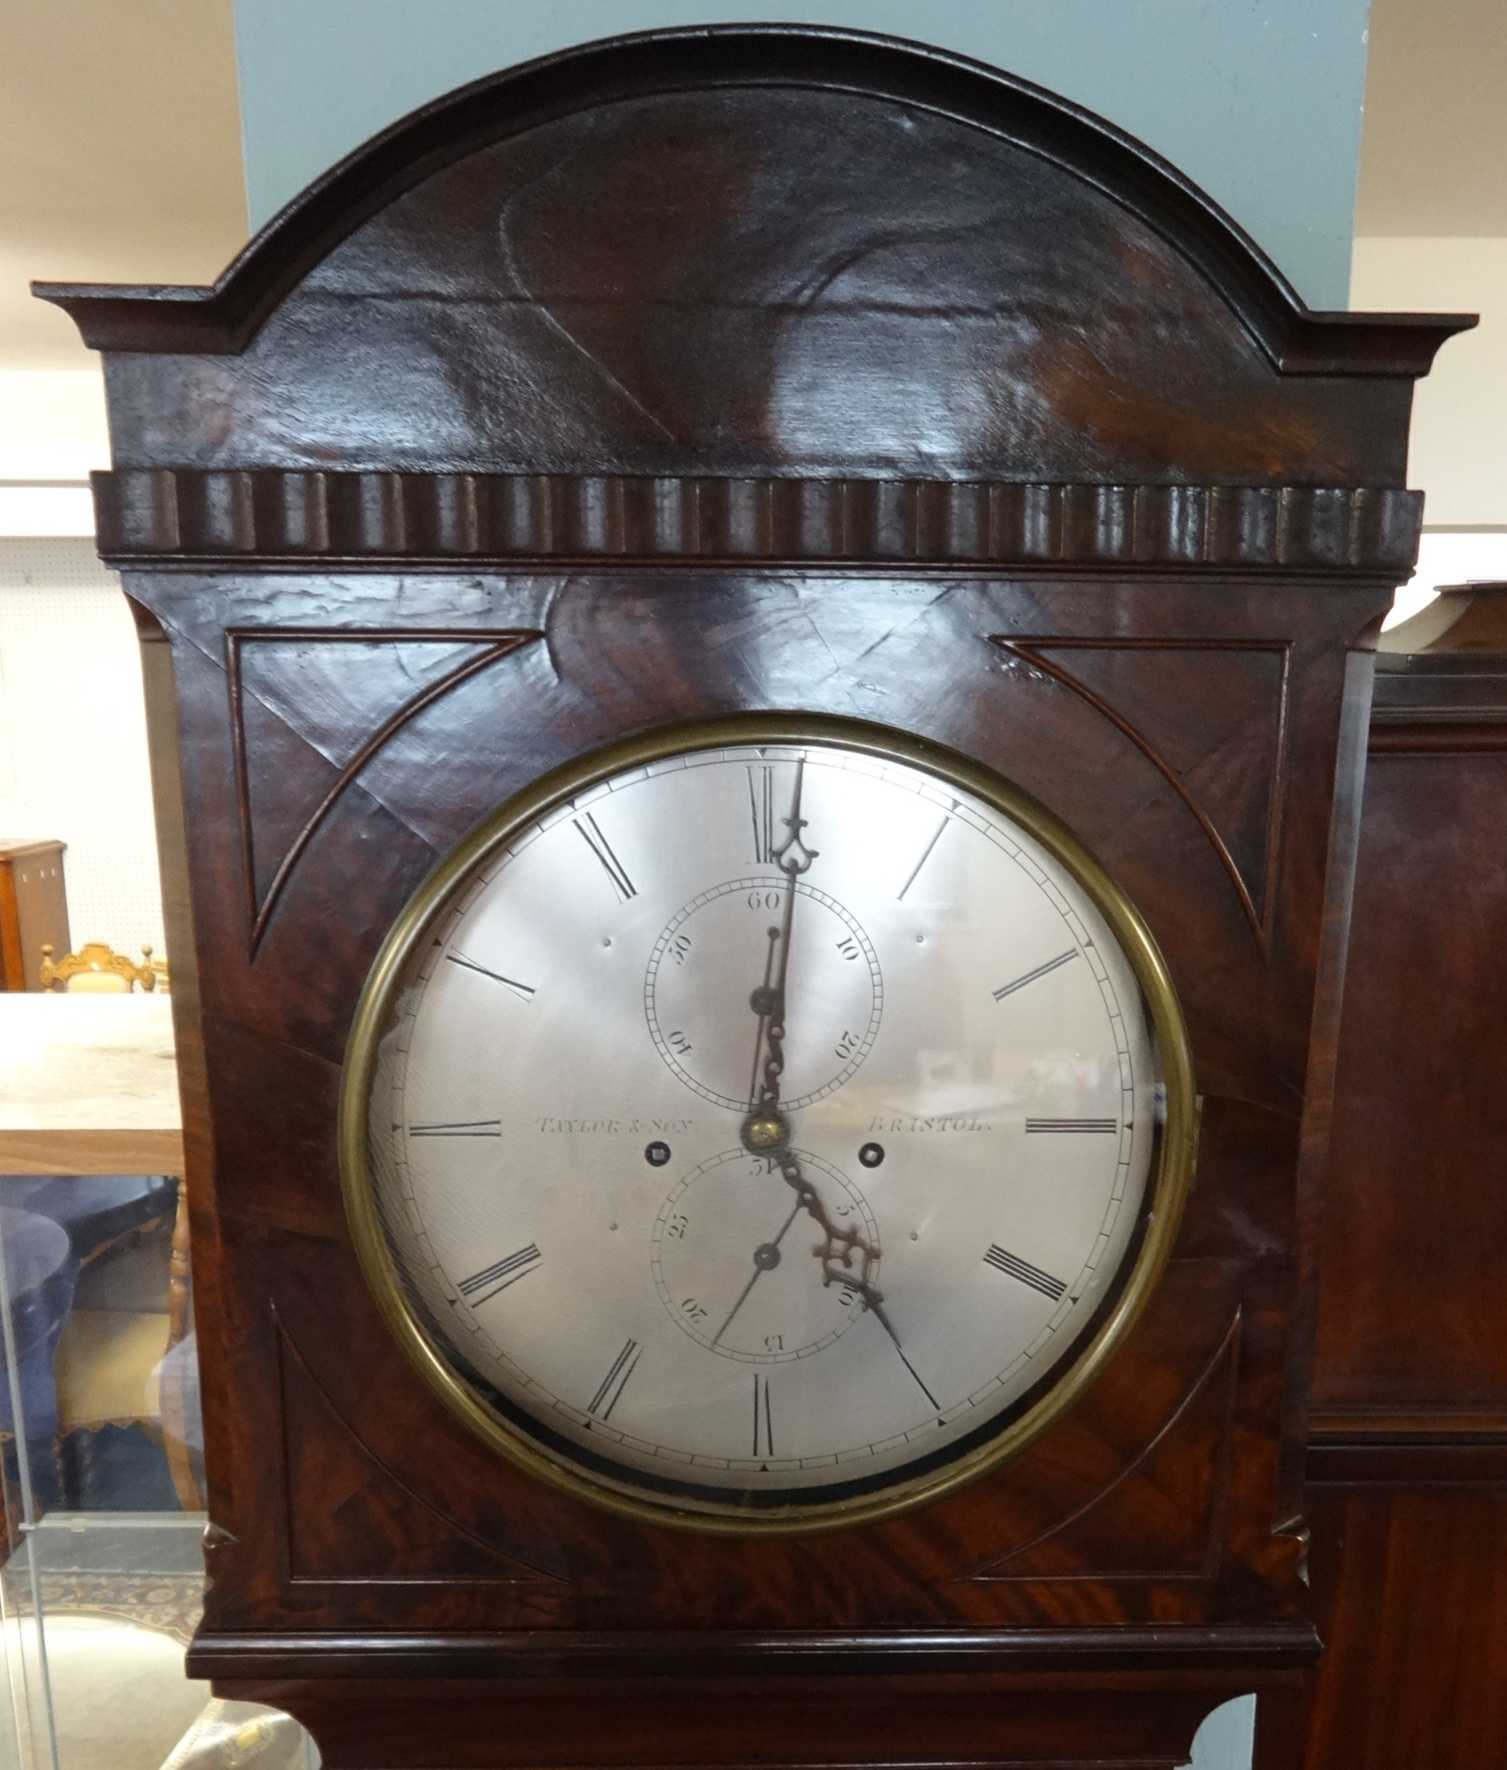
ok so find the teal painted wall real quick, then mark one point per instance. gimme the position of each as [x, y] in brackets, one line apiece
[1259, 101]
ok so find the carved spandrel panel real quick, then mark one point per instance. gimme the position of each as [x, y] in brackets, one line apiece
[1177, 1489]
[324, 703]
[371, 1524]
[1221, 752]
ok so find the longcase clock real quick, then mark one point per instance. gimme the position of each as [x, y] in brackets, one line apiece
[757, 643]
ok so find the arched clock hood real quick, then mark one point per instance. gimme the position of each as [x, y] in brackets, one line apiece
[738, 255]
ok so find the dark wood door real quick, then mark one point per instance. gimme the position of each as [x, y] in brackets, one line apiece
[1408, 1465]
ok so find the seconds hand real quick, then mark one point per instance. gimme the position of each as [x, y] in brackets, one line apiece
[766, 1258]
[766, 1131]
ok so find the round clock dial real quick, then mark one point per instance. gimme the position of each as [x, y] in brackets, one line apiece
[762, 1126]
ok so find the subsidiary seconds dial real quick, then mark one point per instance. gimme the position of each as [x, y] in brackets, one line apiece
[765, 1126]
[719, 941]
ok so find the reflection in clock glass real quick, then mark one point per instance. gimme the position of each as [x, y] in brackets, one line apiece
[764, 1123]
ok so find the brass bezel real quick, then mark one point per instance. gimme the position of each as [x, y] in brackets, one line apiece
[1161, 1215]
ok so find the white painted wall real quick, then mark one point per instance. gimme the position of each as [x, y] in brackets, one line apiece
[73, 752]
[52, 436]
[52, 424]
[1459, 447]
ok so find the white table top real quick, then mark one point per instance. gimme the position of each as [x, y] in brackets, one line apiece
[87, 1062]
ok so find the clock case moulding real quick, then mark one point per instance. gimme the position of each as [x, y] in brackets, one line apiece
[690, 375]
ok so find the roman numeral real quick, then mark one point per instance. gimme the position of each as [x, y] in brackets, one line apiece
[1002, 1260]
[1109, 1125]
[761, 810]
[482, 1286]
[763, 1428]
[524, 990]
[915, 871]
[460, 1128]
[592, 836]
[1031, 976]
[616, 1380]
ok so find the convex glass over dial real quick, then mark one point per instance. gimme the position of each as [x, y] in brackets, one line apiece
[768, 1126]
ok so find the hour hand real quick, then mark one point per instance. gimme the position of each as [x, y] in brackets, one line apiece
[792, 856]
[765, 1128]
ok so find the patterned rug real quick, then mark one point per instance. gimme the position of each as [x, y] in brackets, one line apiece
[171, 1602]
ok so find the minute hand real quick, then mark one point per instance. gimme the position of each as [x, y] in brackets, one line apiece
[846, 1256]
[793, 858]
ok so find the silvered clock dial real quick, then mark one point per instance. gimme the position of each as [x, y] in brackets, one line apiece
[768, 1125]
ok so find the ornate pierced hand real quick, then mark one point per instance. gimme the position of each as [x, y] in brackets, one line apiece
[847, 1257]
[766, 1129]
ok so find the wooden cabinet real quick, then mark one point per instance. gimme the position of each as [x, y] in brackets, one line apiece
[1408, 1457]
[33, 910]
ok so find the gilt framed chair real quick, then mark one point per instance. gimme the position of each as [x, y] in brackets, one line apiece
[96, 967]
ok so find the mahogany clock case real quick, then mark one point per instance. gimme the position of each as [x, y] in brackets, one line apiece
[681, 377]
